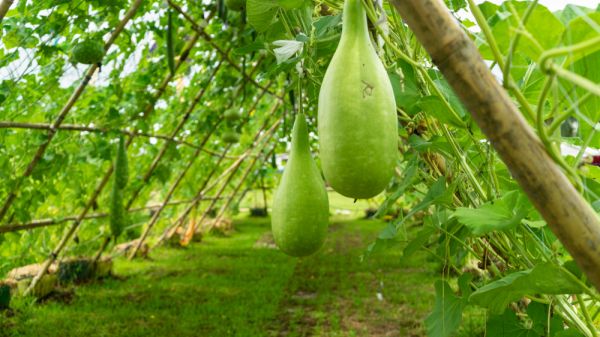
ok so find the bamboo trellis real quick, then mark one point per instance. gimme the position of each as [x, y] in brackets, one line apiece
[57, 125]
[66, 109]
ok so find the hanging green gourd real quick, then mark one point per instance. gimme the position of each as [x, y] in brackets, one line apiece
[231, 137]
[170, 51]
[358, 130]
[118, 217]
[117, 212]
[274, 161]
[89, 51]
[300, 213]
[121, 165]
[232, 115]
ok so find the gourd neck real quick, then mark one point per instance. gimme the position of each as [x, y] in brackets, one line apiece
[354, 21]
[300, 136]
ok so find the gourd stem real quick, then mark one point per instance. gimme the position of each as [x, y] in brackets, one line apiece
[355, 21]
[300, 135]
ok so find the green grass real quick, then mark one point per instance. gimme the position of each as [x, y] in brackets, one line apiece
[228, 287]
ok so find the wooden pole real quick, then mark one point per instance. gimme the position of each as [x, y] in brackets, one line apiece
[4, 7]
[569, 216]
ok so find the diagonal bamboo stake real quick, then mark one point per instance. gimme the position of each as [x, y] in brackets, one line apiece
[171, 191]
[16, 227]
[199, 196]
[4, 7]
[205, 189]
[183, 121]
[269, 134]
[65, 111]
[236, 190]
[93, 129]
[174, 133]
[202, 188]
[569, 216]
[224, 53]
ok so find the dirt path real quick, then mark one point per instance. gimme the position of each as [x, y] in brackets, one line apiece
[335, 293]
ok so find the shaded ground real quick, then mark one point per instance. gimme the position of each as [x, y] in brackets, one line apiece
[239, 286]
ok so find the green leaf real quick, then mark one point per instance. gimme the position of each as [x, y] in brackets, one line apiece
[410, 177]
[542, 25]
[438, 194]
[571, 12]
[545, 278]
[579, 30]
[325, 24]
[447, 312]
[291, 4]
[435, 144]
[418, 242]
[569, 333]
[501, 214]
[407, 97]
[261, 13]
[455, 5]
[434, 106]
[508, 325]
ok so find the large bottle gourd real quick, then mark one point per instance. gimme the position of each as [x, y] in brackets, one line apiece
[358, 129]
[300, 213]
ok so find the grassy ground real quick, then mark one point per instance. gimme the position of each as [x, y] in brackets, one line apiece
[238, 286]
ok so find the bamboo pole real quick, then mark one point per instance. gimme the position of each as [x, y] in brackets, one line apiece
[4, 7]
[93, 129]
[171, 191]
[164, 148]
[269, 134]
[199, 195]
[236, 190]
[204, 189]
[569, 216]
[40, 223]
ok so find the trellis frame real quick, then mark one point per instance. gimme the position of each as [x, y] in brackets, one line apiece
[55, 126]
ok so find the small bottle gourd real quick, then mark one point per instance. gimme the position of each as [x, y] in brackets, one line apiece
[358, 127]
[300, 213]
[118, 215]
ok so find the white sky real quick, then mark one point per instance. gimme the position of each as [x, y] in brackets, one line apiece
[554, 5]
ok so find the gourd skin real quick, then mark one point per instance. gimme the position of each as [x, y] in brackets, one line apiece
[231, 137]
[232, 115]
[358, 128]
[88, 52]
[300, 213]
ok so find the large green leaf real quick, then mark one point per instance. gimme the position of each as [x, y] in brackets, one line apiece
[579, 30]
[447, 312]
[261, 13]
[500, 214]
[545, 278]
[434, 106]
[545, 28]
